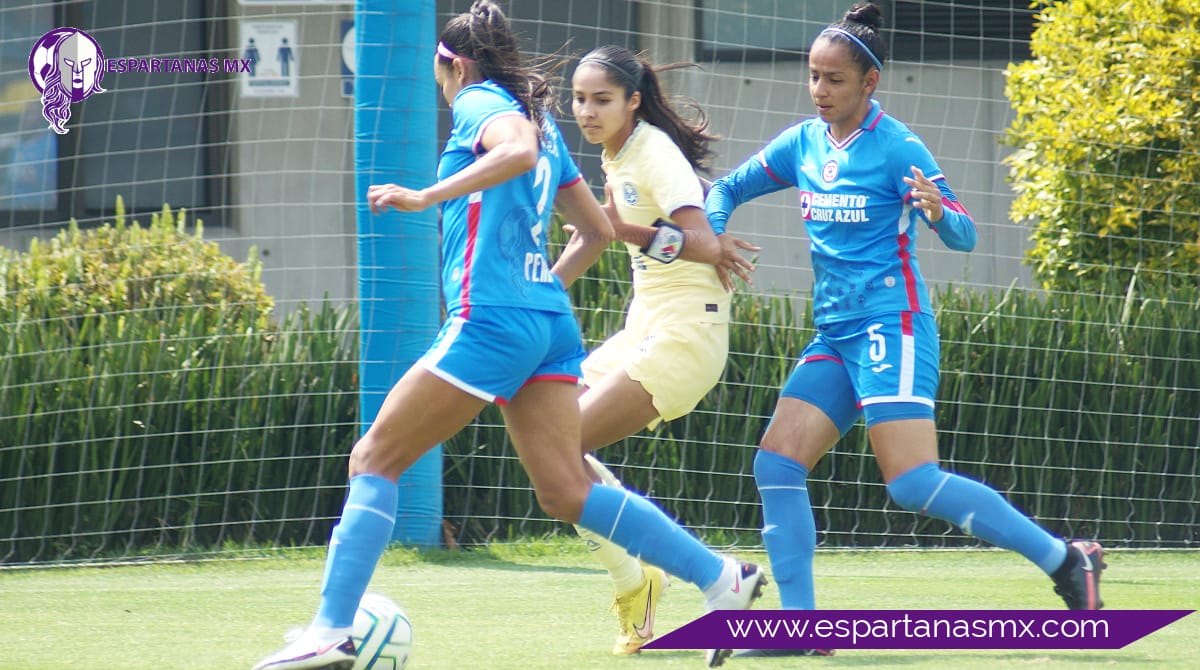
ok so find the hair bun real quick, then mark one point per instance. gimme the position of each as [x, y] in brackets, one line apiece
[865, 13]
[483, 9]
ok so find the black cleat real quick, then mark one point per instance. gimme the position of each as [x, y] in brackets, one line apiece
[1078, 580]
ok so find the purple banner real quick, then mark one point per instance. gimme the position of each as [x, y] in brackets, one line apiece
[917, 629]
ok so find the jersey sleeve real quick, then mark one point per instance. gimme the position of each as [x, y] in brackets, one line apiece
[957, 227]
[472, 111]
[771, 169]
[669, 177]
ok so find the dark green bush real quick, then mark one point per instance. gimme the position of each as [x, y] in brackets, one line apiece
[157, 273]
[1083, 410]
[147, 398]
[174, 414]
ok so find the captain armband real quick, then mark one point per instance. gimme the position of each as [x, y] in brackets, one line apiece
[667, 243]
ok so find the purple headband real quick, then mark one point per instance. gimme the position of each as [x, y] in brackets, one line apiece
[447, 52]
[860, 43]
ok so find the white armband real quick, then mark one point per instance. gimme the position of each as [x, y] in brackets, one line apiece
[667, 243]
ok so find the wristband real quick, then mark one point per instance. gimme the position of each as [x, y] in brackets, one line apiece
[667, 243]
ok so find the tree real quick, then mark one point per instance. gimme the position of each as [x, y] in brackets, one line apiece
[1107, 138]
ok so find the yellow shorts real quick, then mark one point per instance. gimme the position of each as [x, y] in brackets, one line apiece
[677, 362]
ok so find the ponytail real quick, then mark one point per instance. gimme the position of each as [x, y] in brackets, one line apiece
[484, 35]
[633, 73]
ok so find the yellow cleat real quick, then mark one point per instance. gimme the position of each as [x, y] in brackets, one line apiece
[635, 612]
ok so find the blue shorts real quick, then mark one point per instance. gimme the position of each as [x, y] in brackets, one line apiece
[884, 367]
[498, 350]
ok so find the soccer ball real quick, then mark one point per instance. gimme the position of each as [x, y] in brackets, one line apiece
[382, 634]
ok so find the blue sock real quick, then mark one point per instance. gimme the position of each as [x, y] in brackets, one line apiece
[978, 510]
[357, 543]
[644, 530]
[789, 530]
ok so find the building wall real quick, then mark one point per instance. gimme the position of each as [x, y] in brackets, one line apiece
[293, 185]
[305, 223]
[960, 113]
[749, 104]
[291, 159]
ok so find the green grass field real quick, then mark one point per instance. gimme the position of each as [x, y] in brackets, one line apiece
[541, 605]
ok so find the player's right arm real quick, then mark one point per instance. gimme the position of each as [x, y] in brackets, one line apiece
[505, 144]
[768, 171]
[732, 262]
[511, 149]
[670, 187]
[700, 244]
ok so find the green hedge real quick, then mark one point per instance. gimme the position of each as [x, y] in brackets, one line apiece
[1087, 409]
[1083, 410]
[147, 399]
[149, 402]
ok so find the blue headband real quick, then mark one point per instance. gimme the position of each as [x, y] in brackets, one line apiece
[860, 43]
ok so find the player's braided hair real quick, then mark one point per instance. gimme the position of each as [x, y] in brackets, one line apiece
[635, 73]
[863, 21]
[485, 35]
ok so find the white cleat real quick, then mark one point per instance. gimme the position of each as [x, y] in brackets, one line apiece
[741, 584]
[307, 652]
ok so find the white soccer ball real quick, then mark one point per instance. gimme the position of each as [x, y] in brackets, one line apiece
[382, 634]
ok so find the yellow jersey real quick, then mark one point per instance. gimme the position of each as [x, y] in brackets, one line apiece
[650, 178]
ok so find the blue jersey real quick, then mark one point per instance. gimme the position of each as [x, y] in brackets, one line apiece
[494, 241]
[855, 206]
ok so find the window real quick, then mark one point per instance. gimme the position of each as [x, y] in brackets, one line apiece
[146, 138]
[762, 30]
[28, 149]
[960, 30]
[917, 30]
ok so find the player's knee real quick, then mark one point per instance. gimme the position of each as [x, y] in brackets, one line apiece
[370, 455]
[913, 489]
[361, 457]
[561, 502]
[785, 444]
[773, 442]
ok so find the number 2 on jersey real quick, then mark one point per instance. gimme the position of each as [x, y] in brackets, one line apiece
[541, 178]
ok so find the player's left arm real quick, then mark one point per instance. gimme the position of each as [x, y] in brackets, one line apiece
[933, 199]
[663, 173]
[698, 242]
